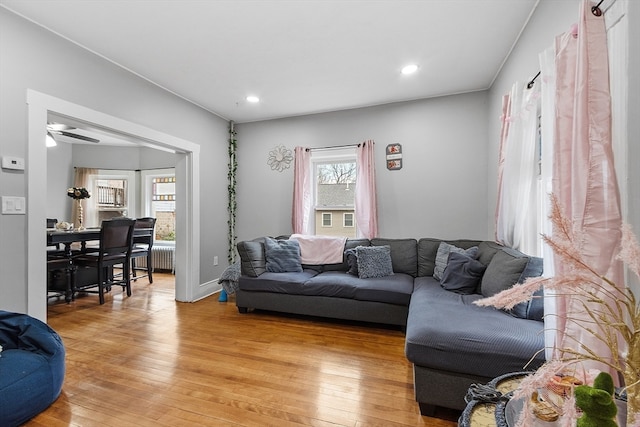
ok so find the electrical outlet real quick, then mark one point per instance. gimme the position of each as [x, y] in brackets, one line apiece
[215, 260]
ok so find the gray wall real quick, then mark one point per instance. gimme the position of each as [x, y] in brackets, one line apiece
[63, 158]
[33, 58]
[439, 192]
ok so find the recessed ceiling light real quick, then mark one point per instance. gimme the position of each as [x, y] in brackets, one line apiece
[410, 69]
[253, 99]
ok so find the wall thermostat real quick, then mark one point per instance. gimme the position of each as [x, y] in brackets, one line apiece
[15, 163]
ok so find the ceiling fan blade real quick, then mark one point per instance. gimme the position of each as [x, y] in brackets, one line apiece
[74, 135]
[58, 127]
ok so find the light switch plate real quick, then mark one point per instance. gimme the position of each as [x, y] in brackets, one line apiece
[15, 163]
[13, 205]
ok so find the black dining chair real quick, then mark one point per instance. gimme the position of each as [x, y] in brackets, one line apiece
[116, 242]
[144, 231]
[57, 269]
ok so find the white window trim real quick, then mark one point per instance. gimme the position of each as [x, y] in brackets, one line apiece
[344, 219]
[346, 154]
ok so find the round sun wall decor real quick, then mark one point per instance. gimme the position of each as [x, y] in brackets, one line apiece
[280, 158]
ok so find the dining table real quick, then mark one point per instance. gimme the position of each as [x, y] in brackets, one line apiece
[68, 237]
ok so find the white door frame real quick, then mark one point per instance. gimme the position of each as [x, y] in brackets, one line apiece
[187, 204]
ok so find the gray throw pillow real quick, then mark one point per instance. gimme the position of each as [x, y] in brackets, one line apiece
[374, 261]
[463, 274]
[504, 271]
[352, 261]
[282, 255]
[252, 262]
[442, 257]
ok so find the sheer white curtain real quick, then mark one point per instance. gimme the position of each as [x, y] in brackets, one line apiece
[547, 126]
[516, 211]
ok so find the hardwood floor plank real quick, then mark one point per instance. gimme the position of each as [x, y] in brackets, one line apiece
[148, 360]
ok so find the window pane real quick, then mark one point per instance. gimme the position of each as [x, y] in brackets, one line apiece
[335, 182]
[163, 206]
[326, 220]
[348, 220]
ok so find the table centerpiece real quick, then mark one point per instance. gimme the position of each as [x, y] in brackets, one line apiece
[79, 194]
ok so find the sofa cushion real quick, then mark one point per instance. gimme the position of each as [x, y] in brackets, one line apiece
[252, 260]
[428, 249]
[442, 257]
[446, 331]
[282, 283]
[534, 308]
[282, 256]
[374, 261]
[463, 274]
[404, 254]
[508, 267]
[395, 289]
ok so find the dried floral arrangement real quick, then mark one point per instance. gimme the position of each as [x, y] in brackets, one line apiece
[78, 193]
[612, 318]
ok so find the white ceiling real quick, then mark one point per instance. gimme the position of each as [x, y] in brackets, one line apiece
[299, 56]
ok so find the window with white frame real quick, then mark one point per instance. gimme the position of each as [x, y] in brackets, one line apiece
[159, 199]
[334, 180]
[348, 219]
[327, 219]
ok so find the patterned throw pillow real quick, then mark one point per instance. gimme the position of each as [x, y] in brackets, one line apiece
[442, 257]
[374, 261]
[282, 256]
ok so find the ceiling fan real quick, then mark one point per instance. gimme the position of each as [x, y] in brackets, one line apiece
[62, 129]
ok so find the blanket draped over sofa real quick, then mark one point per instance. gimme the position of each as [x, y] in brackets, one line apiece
[426, 286]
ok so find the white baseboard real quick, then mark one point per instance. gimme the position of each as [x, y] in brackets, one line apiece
[213, 286]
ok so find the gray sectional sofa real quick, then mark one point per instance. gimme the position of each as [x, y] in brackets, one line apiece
[450, 341]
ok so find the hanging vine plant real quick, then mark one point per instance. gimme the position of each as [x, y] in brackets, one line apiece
[231, 189]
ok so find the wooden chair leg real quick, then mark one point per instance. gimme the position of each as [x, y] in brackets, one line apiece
[101, 284]
[127, 277]
[133, 269]
[149, 268]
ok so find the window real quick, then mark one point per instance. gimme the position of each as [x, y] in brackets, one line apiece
[163, 206]
[347, 219]
[112, 196]
[334, 192]
[327, 219]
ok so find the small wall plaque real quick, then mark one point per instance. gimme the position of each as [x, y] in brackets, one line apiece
[394, 156]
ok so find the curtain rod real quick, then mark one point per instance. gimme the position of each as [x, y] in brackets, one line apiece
[334, 147]
[596, 12]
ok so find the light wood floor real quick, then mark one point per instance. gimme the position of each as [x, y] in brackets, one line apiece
[148, 360]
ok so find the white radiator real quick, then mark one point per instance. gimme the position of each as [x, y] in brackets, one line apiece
[162, 258]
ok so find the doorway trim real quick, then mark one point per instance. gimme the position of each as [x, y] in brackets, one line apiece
[39, 105]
